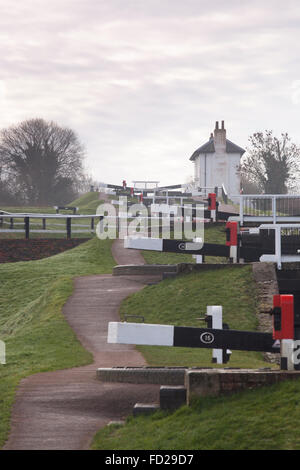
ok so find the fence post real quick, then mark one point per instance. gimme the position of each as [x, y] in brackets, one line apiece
[69, 221]
[160, 224]
[216, 314]
[2, 352]
[241, 210]
[224, 194]
[274, 209]
[26, 222]
[278, 245]
[199, 258]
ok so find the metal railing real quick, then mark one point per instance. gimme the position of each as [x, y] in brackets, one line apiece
[283, 231]
[273, 208]
[41, 222]
[204, 191]
[224, 194]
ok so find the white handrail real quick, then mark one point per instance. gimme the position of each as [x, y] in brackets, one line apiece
[278, 257]
[268, 208]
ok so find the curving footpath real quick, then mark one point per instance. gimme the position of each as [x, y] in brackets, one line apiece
[62, 410]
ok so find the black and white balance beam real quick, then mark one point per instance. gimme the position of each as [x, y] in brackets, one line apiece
[196, 247]
[190, 337]
[160, 244]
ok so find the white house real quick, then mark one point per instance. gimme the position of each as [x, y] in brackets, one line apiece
[217, 162]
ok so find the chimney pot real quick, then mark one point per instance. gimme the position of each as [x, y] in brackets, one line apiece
[220, 137]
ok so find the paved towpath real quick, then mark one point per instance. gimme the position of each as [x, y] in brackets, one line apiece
[64, 409]
[229, 208]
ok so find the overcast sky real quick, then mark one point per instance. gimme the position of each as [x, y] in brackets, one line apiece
[142, 82]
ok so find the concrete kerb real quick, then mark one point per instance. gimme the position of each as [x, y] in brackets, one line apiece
[175, 269]
[143, 269]
[198, 382]
[143, 375]
[215, 382]
[186, 268]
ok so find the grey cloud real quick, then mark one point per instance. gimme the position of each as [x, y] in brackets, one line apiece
[143, 82]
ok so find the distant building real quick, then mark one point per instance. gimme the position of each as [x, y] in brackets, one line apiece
[217, 162]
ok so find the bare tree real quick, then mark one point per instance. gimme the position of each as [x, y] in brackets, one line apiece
[271, 163]
[9, 195]
[43, 158]
[249, 187]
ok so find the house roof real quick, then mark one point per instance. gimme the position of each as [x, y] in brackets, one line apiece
[209, 147]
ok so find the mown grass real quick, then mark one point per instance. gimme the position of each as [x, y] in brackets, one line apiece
[36, 335]
[260, 419]
[265, 418]
[87, 203]
[29, 209]
[38, 339]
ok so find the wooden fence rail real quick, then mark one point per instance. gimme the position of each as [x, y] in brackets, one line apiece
[9, 218]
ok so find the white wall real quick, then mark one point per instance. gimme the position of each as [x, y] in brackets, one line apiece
[234, 178]
[220, 169]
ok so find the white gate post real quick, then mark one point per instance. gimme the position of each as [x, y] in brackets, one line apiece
[241, 210]
[274, 209]
[278, 245]
[216, 313]
[2, 352]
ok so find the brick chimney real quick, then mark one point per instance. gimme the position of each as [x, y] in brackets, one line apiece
[220, 137]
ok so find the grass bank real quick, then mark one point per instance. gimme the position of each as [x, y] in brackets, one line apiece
[55, 228]
[183, 300]
[266, 418]
[36, 335]
[87, 203]
[261, 419]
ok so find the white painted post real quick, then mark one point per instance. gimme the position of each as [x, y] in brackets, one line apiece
[233, 253]
[216, 312]
[241, 210]
[286, 351]
[198, 258]
[274, 209]
[278, 245]
[2, 352]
